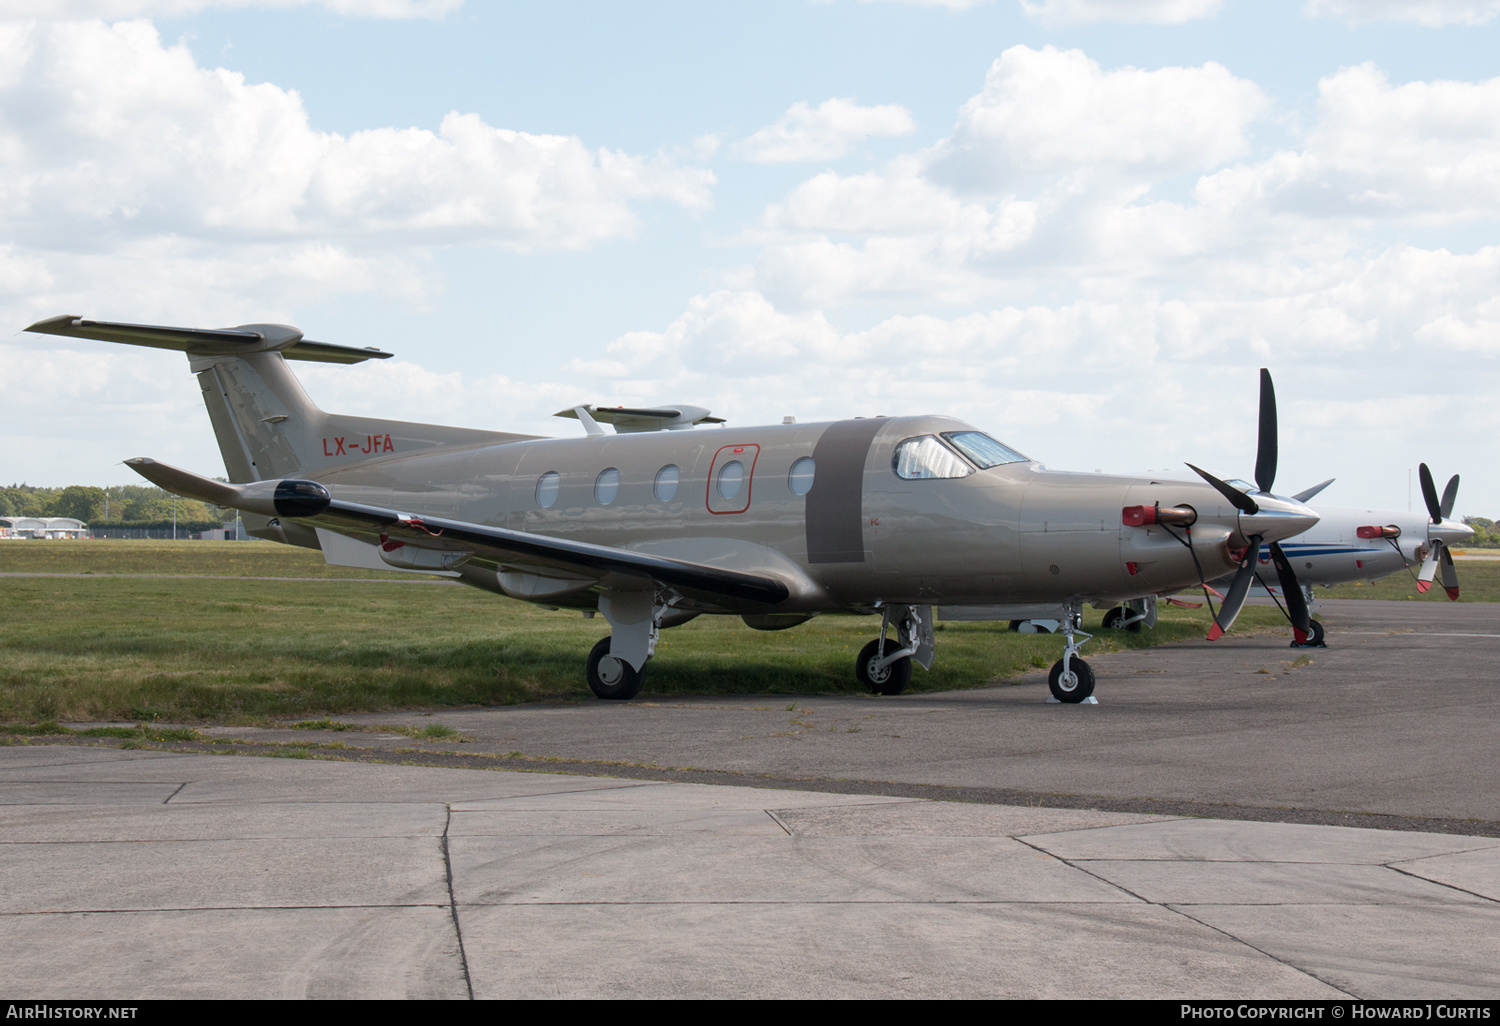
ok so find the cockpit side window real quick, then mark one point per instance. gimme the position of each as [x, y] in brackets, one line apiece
[983, 450]
[925, 458]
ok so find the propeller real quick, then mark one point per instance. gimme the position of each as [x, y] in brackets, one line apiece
[1266, 453]
[1437, 554]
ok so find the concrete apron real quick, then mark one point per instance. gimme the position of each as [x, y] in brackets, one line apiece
[151, 875]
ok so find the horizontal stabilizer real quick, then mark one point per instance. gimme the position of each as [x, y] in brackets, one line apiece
[239, 341]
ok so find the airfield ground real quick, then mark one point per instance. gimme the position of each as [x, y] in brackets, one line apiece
[1199, 833]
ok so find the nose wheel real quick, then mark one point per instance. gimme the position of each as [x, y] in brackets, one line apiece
[1315, 634]
[1072, 682]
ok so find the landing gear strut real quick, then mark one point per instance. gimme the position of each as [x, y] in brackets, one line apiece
[1071, 679]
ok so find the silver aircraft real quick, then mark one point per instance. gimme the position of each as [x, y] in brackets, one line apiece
[657, 523]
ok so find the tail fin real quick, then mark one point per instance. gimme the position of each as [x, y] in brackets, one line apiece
[266, 425]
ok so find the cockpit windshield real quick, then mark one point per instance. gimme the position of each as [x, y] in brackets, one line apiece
[925, 458]
[983, 450]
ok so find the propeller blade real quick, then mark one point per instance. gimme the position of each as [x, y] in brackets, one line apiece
[1308, 493]
[1238, 499]
[1296, 602]
[1449, 495]
[1429, 567]
[1429, 493]
[1450, 575]
[1238, 589]
[1265, 452]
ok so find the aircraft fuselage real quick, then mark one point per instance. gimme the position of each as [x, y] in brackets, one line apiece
[861, 534]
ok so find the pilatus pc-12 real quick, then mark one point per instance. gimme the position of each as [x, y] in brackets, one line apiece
[658, 522]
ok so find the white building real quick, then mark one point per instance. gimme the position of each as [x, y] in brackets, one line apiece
[16, 528]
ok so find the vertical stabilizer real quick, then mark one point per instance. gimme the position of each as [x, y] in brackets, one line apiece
[266, 425]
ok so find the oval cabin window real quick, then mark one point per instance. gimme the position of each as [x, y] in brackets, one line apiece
[731, 479]
[546, 489]
[667, 479]
[800, 478]
[607, 486]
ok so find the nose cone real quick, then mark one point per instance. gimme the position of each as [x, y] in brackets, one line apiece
[1277, 519]
[1450, 532]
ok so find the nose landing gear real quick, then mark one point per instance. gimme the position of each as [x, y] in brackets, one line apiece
[1071, 680]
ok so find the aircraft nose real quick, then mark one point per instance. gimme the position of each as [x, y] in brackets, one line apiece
[1277, 518]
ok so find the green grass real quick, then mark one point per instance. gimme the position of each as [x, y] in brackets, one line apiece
[185, 650]
[1478, 581]
[192, 650]
[199, 558]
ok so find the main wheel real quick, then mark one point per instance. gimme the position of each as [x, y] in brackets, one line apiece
[1015, 625]
[1113, 617]
[890, 679]
[613, 678]
[1073, 686]
[1314, 636]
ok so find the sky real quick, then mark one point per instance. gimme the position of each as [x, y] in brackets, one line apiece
[1081, 225]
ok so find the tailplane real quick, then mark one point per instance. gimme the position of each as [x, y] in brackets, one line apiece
[266, 425]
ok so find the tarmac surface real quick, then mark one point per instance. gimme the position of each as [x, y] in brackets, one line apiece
[142, 874]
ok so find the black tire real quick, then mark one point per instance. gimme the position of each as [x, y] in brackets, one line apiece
[1076, 691]
[614, 679]
[1112, 618]
[889, 680]
[1315, 634]
[1015, 625]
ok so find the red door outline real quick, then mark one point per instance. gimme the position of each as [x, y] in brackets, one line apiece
[739, 452]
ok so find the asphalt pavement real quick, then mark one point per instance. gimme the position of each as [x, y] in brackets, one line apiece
[1174, 841]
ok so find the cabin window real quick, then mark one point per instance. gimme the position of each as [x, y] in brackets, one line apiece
[800, 478]
[925, 458]
[666, 482]
[983, 450]
[731, 479]
[546, 489]
[607, 486]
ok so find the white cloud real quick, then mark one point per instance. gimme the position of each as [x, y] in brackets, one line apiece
[1424, 151]
[1049, 112]
[112, 10]
[1431, 13]
[104, 131]
[825, 132]
[1159, 12]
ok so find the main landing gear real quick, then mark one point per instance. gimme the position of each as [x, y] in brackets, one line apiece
[617, 664]
[1071, 680]
[1132, 615]
[884, 665]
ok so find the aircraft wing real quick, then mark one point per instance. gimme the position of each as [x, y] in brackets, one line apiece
[538, 553]
[310, 503]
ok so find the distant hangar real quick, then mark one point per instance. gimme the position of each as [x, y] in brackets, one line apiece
[14, 528]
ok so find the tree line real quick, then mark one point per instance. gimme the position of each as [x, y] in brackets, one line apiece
[116, 506]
